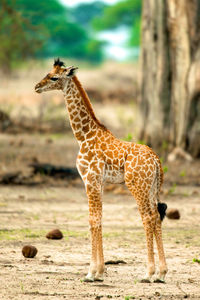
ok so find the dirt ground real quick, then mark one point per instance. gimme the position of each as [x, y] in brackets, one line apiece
[28, 211]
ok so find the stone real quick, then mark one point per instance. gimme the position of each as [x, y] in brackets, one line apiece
[54, 234]
[173, 214]
[29, 251]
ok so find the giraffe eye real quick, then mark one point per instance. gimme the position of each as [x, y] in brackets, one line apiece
[54, 78]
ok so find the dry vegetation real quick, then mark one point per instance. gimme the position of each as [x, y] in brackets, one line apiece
[110, 84]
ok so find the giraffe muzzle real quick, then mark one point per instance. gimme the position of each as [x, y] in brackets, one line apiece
[38, 88]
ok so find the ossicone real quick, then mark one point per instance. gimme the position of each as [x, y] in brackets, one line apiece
[58, 62]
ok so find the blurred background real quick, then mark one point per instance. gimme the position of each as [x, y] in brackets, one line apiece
[140, 70]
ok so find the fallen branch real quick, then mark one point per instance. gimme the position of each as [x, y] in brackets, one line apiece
[114, 262]
[10, 178]
[54, 171]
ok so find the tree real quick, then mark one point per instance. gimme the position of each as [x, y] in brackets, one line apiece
[123, 13]
[85, 13]
[42, 29]
[64, 35]
[17, 42]
[170, 85]
[61, 36]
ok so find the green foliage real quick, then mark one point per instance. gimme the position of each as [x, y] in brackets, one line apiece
[141, 142]
[20, 234]
[84, 13]
[19, 39]
[123, 13]
[165, 169]
[135, 32]
[94, 51]
[165, 145]
[129, 137]
[172, 189]
[43, 29]
[68, 40]
[63, 36]
[22, 286]
[182, 173]
[129, 297]
[196, 260]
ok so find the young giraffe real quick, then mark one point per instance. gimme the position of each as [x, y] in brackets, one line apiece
[104, 158]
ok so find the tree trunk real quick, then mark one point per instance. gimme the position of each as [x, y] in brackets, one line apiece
[171, 77]
[155, 70]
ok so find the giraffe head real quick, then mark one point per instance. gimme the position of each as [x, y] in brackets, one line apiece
[57, 79]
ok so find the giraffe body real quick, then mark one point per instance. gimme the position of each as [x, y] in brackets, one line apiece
[104, 158]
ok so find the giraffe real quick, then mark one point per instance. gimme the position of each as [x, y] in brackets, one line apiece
[104, 158]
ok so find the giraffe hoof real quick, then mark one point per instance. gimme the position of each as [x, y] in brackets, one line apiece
[98, 278]
[145, 280]
[89, 278]
[158, 280]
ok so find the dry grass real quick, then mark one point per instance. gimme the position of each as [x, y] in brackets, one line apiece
[113, 85]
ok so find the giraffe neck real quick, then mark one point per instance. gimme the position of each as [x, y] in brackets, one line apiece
[82, 118]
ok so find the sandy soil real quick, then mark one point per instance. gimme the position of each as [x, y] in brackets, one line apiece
[28, 212]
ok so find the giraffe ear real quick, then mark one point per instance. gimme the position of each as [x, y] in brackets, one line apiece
[72, 71]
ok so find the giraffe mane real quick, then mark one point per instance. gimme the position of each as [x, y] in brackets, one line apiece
[87, 102]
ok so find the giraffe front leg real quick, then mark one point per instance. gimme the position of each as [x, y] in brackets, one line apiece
[96, 268]
[93, 262]
[100, 257]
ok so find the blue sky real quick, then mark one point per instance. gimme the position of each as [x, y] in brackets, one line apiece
[74, 2]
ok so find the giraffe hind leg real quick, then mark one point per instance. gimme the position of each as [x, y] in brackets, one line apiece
[148, 227]
[148, 220]
[161, 254]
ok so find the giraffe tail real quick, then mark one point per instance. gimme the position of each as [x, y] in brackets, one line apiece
[162, 207]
